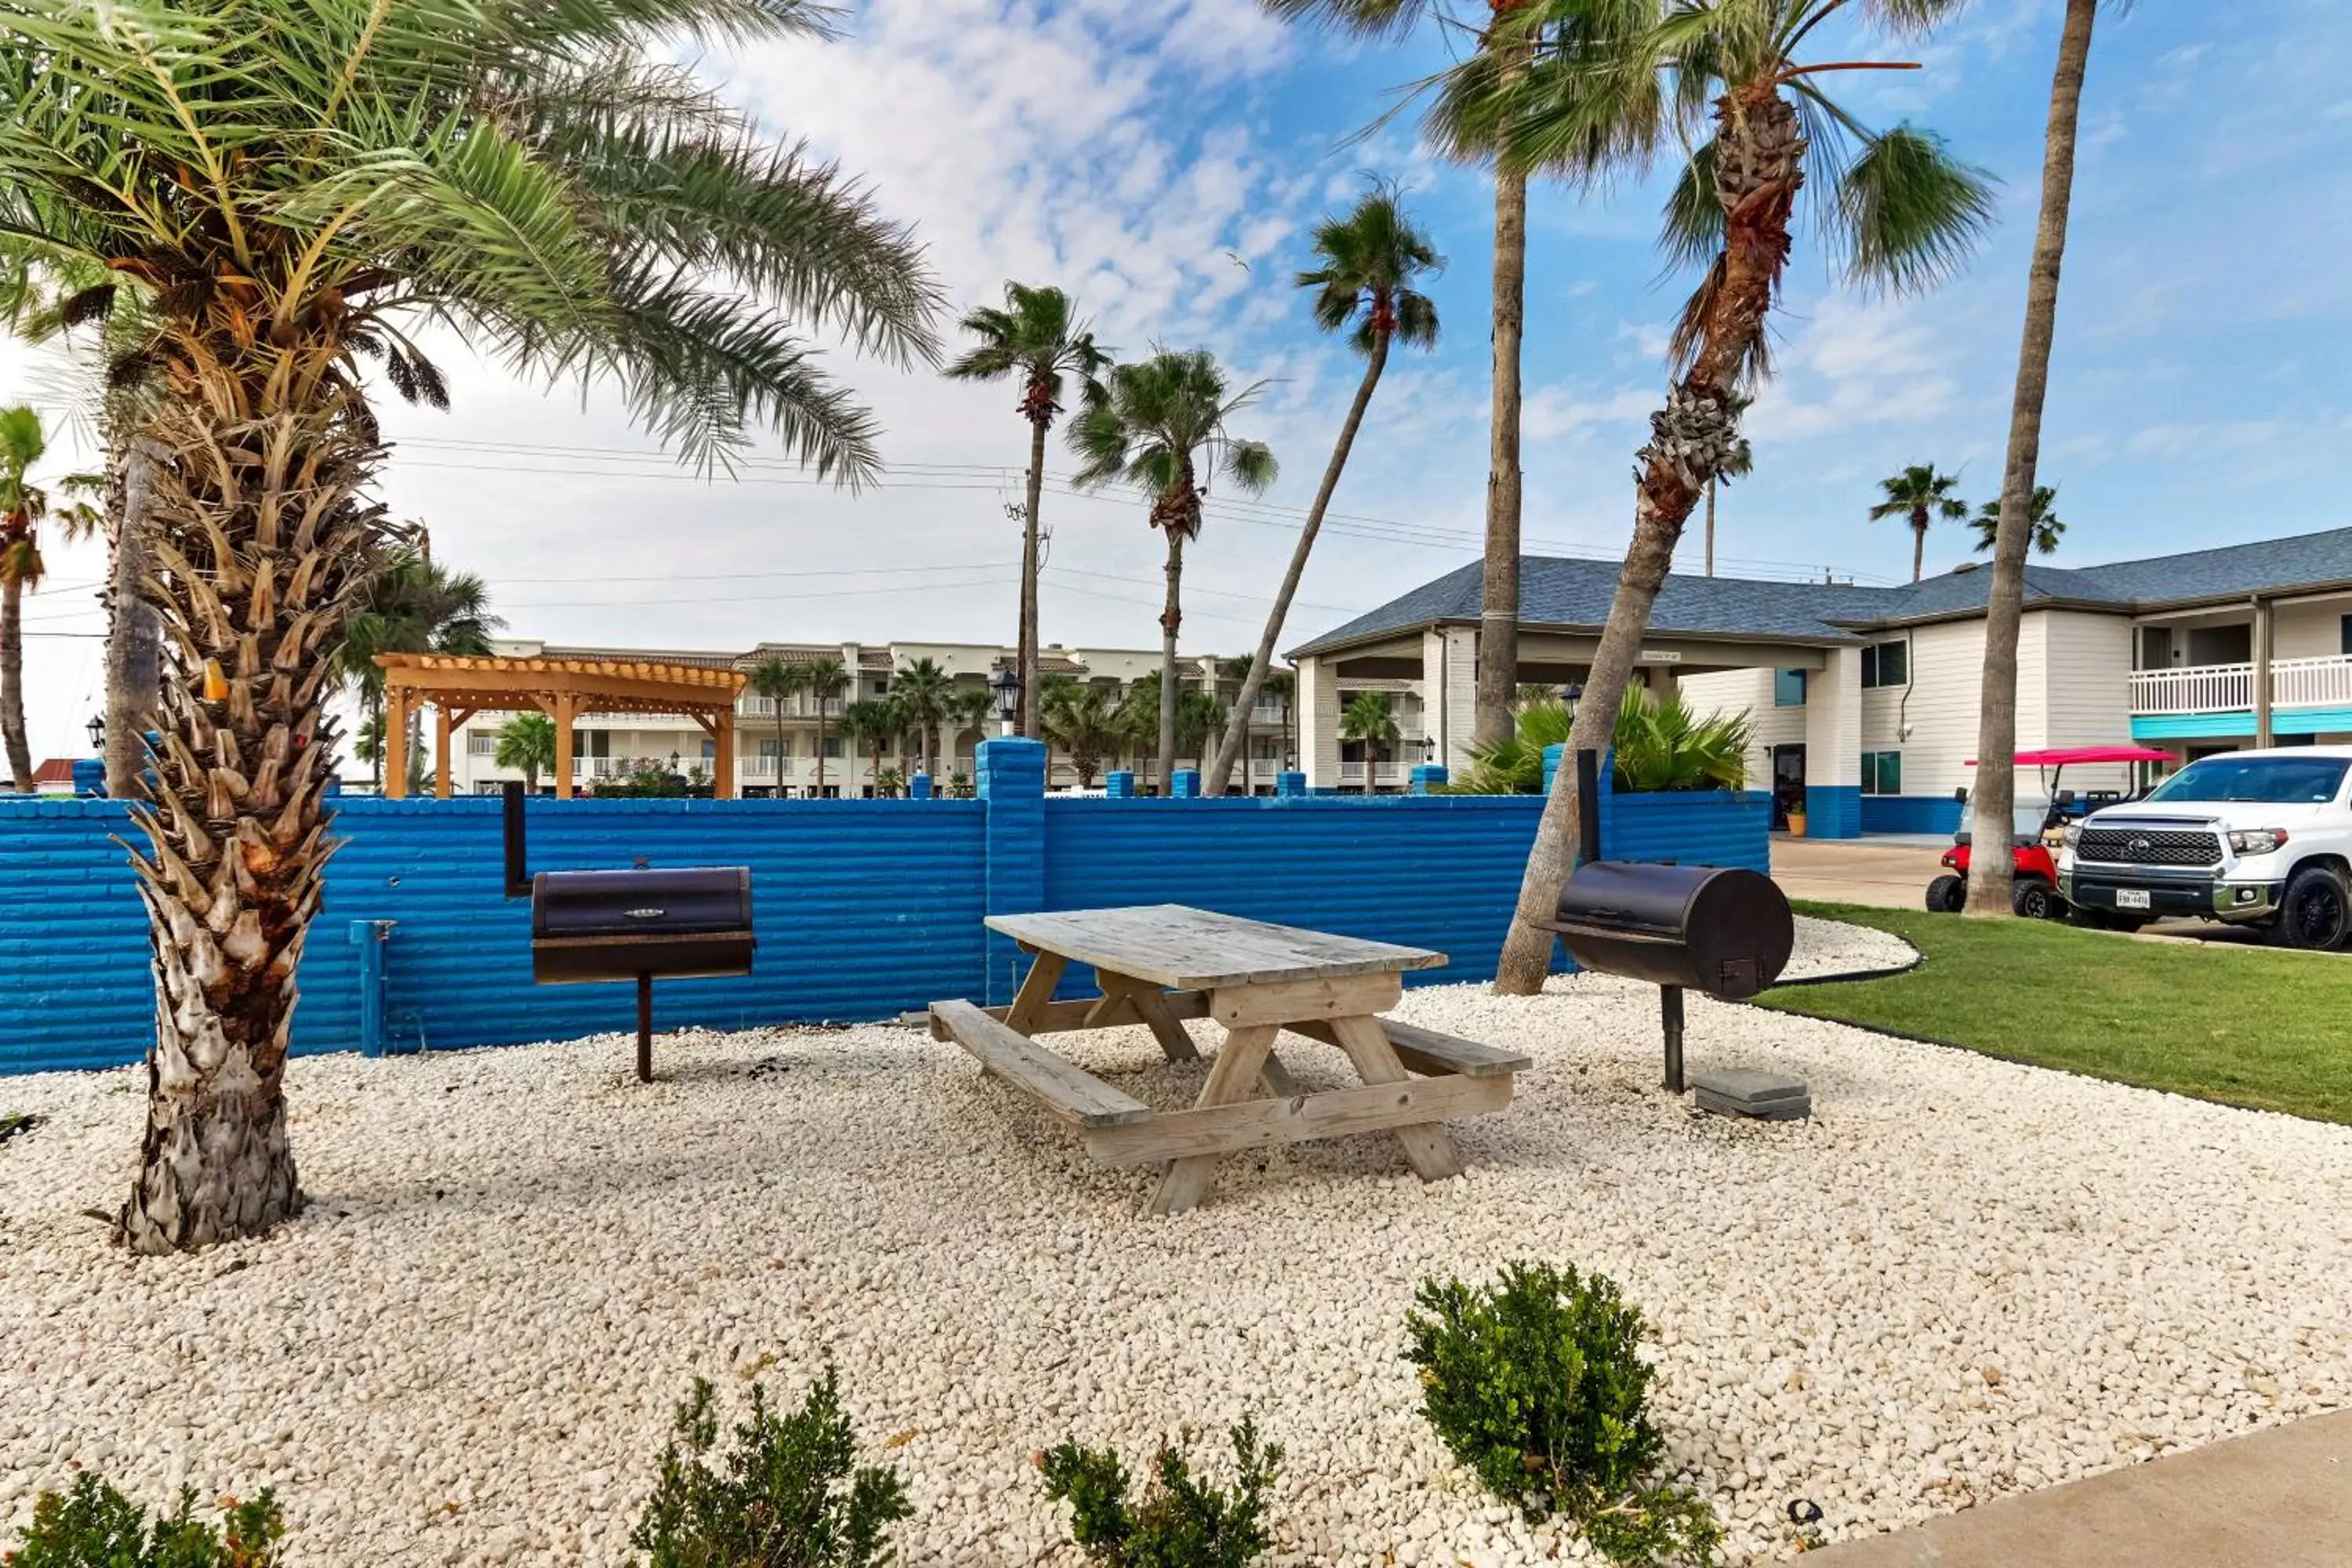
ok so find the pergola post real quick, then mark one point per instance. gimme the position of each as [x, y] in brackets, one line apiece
[393, 742]
[560, 711]
[722, 785]
[441, 785]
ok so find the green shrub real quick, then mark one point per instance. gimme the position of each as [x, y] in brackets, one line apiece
[1535, 1383]
[1657, 746]
[95, 1526]
[1182, 1520]
[779, 1501]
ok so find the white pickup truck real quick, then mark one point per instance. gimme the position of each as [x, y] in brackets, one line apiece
[2259, 838]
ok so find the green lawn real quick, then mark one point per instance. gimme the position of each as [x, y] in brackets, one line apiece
[2242, 1025]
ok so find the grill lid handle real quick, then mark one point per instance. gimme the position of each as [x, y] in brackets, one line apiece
[647, 914]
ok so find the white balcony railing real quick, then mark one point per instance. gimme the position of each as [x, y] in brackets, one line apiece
[595, 768]
[2230, 688]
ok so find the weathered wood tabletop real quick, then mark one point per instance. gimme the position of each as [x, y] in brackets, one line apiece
[1158, 965]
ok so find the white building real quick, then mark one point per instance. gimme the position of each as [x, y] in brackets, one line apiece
[1865, 698]
[777, 741]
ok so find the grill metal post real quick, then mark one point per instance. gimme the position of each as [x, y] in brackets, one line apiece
[646, 1031]
[517, 875]
[1587, 806]
[1670, 1014]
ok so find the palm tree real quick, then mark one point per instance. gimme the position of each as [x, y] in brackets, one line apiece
[872, 723]
[922, 690]
[1284, 684]
[1506, 51]
[1161, 426]
[1038, 336]
[1993, 802]
[1606, 87]
[1082, 720]
[295, 188]
[1199, 716]
[1368, 717]
[23, 505]
[1370, 262]
[776, 680]
[2046, 528]
[827, 680]
[1921, 495]
[412, 604]
[527, 744]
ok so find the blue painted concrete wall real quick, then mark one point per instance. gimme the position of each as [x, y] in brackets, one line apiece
[865, 909]
[1832, 811]
[1910, 813]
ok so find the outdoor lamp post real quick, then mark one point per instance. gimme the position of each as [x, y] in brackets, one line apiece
[98, 733]
[673, 762]
[1007, 687]
[1570, 694]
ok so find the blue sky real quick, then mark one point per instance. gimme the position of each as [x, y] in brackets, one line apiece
[1166, 163]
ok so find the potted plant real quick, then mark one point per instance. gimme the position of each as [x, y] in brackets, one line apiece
[1797, 821]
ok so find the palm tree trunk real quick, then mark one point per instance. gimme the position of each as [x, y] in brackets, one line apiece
[1499, 614]
[1762, 165]
[1710, 527]
[1170, 616]
[1995, 801]
[1230, 749]
[134, 653]
[780, 748]
[820, 746]
[1918, 547]
[376, 723]
[237, 837]
[12, 685]
[1030, 711]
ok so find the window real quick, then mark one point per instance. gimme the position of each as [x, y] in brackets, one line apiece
[833, 745]
[2343, 636]
[2266, 780]
[480, 745]
[881, 689]
[1882, 773]
[1886, 664]
[772, 747]
[1788, 689]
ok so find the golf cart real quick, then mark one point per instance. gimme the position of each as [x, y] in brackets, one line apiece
[2034, 892]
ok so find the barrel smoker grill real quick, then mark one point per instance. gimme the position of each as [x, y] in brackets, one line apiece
[679, 923]
[1724, 931]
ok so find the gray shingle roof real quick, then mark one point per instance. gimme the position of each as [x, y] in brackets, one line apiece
[1574, 592]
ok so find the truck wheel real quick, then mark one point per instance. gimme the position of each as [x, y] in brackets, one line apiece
[2035, 900]
[2316, 911]
[1945, 895]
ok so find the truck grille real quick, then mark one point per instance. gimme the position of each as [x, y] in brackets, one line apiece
[2150, 846]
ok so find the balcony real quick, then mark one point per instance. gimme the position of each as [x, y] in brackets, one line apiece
[2230, 688]
[586, 768]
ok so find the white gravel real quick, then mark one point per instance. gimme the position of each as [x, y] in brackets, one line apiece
[1961, 1279]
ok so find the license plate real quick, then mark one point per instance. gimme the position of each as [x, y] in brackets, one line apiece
[2131, 898]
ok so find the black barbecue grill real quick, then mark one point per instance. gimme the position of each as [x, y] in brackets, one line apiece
[1724, 931]
[669, 923]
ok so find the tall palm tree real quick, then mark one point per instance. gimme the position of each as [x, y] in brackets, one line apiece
[1161, 426]
[1505, 48]
[827, 680]
[1994, 800]
[922, 690]
[1082, 722]
[1919, 494]
[2042, 521]
[1369, 262]
[1284, 684]
[412, 604]
[295, 188]
[968, 708]
[872, 723]
[24, 507]
[1370, 718]
[1610, 83]
[527, 744]
[776, 679]
[1038, 336]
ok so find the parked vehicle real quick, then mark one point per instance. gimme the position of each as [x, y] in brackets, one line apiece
[2034, 890]
[2254, 838]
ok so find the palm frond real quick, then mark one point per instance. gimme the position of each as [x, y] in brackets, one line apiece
[1912, 213]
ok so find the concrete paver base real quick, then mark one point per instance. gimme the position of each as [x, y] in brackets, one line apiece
[2280, 1499]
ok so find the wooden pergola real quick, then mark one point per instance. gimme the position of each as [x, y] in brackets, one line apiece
[462, 685]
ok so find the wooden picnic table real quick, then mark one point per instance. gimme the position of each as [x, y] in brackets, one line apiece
[1158, 964]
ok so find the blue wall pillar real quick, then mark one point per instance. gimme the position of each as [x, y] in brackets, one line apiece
[1119, 785]
[1290, 784]
[1012, 786]
[370, 938]
[1426, 777]
[1552, 754]
[919, 787]
[1188, 783]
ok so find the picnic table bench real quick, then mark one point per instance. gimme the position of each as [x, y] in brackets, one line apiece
[1159, 964]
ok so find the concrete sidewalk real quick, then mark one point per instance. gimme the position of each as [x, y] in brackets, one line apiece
[2280, 1499]
[1889, 873]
